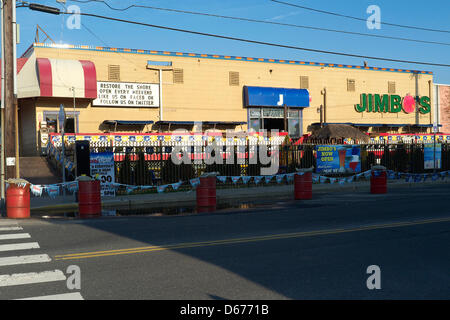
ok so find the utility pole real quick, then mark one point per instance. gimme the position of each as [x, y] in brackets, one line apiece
[10, 104]
[417, 96]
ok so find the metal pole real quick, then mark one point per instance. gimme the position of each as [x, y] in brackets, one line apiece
[16, 105]
[63, 161]
[74, 118]
[160, 96]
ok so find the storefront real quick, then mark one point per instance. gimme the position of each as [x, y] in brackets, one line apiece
[151, 91]
[276, 109]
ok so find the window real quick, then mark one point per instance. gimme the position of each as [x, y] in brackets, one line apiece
[178, 76]
[351, 85]
[234, 78]
[113, 72]
[304, 82]
[151, 63]
[391, 87]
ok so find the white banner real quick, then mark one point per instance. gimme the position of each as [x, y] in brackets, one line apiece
[127, 94]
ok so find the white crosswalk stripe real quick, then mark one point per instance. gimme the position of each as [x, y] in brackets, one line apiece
[14, 236]
[25, 279]
[19, 246]
[4, 223]
[37, 258]
[64, 296]
[32, 277]
[11, 228]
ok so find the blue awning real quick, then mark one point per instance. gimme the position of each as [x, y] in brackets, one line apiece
[275, 97]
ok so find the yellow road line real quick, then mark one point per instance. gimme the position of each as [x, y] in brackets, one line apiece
[95, 254]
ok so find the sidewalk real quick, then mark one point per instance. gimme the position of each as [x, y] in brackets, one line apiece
[179, 199]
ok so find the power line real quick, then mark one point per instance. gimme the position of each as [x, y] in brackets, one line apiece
[357, 18]
[256, 41]
[264, 22]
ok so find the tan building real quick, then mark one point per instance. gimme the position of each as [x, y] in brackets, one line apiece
[442, 101]
[111, 89]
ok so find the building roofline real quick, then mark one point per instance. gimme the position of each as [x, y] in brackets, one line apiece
[220, 57]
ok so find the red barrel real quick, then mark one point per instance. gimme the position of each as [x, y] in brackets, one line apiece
[206, 193]
[18, 201]
[89, 198]
[378, 181]
[303, 186]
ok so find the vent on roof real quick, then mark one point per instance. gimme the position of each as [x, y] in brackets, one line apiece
[304, 82]
[234, 78]
[391, 87]
[113, 72]
[351, 85]
[178, 76]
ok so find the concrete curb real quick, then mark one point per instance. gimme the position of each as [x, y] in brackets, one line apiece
[170, 200]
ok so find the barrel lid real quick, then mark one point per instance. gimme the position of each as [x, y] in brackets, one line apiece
[378, 167]
[210, 174]
[305, 169]
[84, 178]
[17, 181]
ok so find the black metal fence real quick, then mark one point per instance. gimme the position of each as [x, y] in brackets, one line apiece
[154, 165]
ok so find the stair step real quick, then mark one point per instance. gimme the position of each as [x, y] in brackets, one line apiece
[37, 170]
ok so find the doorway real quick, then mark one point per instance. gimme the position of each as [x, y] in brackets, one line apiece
[273, 124]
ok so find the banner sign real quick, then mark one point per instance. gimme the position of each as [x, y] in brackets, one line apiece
[432, 156]
[102, 166]
[127, 94]
[338, 159]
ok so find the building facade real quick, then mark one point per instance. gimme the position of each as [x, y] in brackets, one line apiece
[442, 99]
[128, 90]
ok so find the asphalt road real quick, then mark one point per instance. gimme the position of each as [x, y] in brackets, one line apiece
[318, 249]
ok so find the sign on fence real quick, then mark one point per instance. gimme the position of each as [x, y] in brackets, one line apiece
[338, 158]
[432, 156]
[102, 165]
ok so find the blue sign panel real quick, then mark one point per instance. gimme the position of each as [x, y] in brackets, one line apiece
[338, 158]
[432, 154]
[275, 97]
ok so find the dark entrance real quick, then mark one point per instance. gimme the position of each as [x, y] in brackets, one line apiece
[274, 124]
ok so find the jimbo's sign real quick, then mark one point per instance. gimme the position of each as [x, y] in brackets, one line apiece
[393, 103]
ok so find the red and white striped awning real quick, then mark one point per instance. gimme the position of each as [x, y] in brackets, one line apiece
[44, 77]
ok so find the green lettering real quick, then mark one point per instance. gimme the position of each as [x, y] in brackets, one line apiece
[371, 107]
[362, 107]
[381, 104]
[396, 103]
[425, 104]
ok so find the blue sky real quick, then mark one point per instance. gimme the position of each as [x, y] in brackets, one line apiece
[430, 14]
